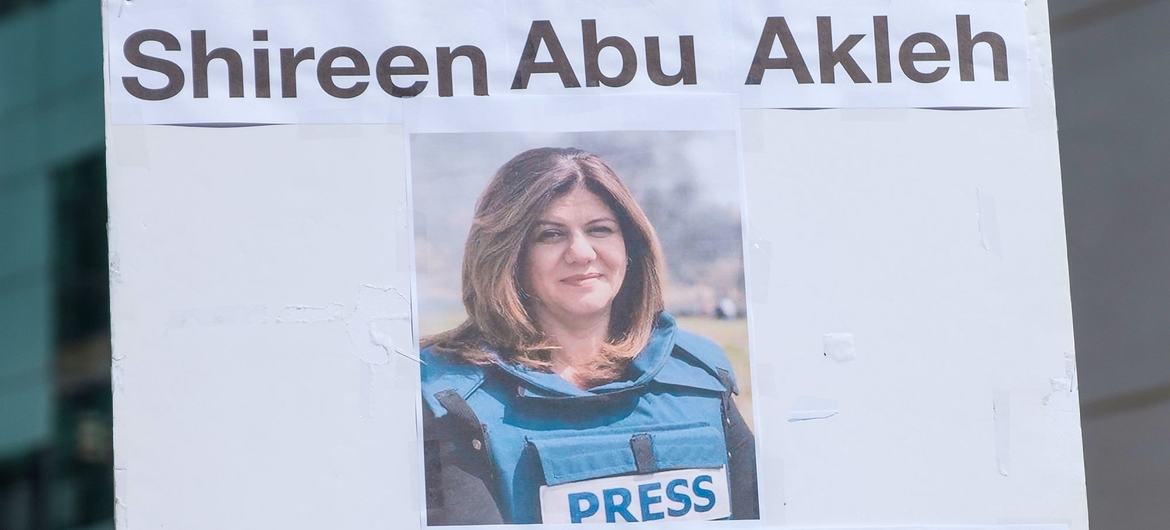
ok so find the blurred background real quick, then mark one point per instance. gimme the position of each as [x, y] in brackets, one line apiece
[1112, 68]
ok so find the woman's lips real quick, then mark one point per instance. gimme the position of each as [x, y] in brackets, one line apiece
[581, 279]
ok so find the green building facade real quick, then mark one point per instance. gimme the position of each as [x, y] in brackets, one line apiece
[55, 457]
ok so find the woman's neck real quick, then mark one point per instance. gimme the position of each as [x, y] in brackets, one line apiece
[580, 343]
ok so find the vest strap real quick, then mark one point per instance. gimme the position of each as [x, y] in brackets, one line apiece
[739, 508]
[463, 414]
[458, 407]
[643, 448]
[725, 378]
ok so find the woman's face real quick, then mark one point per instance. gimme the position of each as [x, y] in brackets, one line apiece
[576, 259]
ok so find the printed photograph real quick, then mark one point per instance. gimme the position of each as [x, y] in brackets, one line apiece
[582, 324]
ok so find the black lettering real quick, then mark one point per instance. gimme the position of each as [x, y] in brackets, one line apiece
[881, 48]
[260, 58]
[686, 59]
[132, 49]
[542, 31]
[939, 52]
[289, 61]
[386, 71]
[326, 71]
[478, 69]
[201, 59]
[831, 57]
[967, 50]
[593, 74]
[777, 28]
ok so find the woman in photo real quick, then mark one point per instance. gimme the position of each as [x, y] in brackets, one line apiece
[569, 395]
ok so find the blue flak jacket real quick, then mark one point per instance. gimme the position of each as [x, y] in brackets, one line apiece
[494, 435]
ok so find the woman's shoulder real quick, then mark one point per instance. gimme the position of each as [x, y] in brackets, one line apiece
[445, 377]
[708, 354]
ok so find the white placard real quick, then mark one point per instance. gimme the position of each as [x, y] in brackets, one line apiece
[905, 281]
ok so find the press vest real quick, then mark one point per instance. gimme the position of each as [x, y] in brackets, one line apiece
[649, 447]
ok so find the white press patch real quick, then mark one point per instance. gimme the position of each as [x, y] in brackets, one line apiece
[681, 494]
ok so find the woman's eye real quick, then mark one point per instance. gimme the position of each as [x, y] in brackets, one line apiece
[548, 235]
[601, 230]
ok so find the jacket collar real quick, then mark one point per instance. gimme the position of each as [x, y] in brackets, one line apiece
[642, 369]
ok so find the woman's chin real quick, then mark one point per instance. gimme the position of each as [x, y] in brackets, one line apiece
[584, 310]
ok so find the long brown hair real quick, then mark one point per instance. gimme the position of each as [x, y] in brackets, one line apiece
[500, 323]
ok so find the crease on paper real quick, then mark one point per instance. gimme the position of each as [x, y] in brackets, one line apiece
[811, 408]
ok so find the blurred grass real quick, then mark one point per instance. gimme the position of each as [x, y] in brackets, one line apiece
[731, 335]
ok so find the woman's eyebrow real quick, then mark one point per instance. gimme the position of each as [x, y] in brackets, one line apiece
[543, 222]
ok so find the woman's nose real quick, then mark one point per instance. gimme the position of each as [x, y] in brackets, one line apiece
[580, 249]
